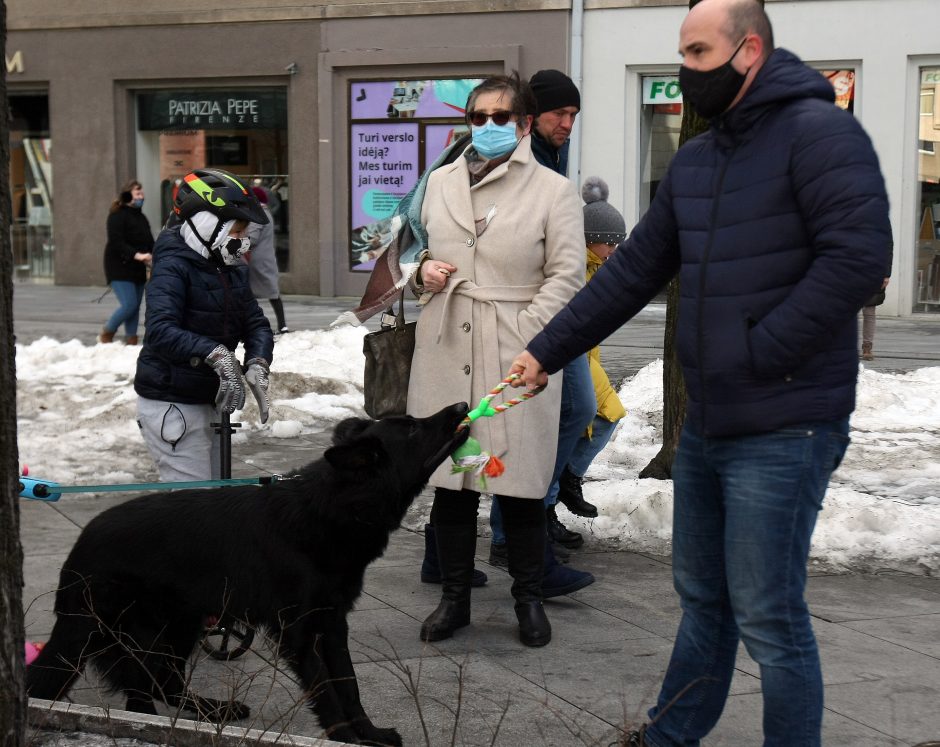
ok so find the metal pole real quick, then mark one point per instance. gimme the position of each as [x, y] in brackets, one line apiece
[225, 446]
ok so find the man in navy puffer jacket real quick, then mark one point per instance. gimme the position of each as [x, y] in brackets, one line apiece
[199, 308]
[776, 220]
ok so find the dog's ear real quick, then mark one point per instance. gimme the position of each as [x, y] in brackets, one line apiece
[361, 454]
[348, 429]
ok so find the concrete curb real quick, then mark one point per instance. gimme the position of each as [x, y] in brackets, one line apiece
[59, 716]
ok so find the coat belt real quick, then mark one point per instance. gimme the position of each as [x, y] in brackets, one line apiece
[487, 296]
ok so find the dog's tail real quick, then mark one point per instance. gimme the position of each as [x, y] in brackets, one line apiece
[61, 660]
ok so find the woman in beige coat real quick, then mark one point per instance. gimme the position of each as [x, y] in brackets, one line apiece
[505, 254]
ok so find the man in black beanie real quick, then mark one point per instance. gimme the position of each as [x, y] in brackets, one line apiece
[559, 103]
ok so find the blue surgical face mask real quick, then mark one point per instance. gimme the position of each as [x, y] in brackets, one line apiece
[493, 140]
[139, 203]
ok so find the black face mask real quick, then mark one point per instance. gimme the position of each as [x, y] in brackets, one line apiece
[710, 92]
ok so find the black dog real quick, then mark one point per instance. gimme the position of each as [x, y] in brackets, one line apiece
[143, 577]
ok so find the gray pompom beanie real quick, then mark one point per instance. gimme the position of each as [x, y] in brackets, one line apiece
[603, 223]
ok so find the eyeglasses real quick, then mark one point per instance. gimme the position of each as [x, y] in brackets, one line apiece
[478, 119]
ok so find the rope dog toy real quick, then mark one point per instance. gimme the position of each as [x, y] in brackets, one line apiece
[470, 457]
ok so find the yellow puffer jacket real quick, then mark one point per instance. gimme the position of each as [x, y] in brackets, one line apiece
[609, 405]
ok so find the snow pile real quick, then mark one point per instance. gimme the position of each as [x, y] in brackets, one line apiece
[76, 423]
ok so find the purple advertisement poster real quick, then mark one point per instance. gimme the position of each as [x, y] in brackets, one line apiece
[386, 153]
[409, 99]
[440, 136]
[384, 168]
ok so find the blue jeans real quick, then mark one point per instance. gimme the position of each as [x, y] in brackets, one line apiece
[587, 448]
[744, 512]
[129, 295]
[578, 405]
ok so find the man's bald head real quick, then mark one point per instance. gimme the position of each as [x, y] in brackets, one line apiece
[735, 19]
[717, 33]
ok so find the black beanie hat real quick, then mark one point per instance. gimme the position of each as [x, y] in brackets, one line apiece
[554, 90]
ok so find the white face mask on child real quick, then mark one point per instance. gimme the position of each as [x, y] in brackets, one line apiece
[234, 249]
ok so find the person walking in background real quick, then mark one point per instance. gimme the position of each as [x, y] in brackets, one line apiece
[126, 257]
[868, 312]
[604, 229]
[558, 102]
[199, 308]
[262, 261]
[505, 253]
[776, 220]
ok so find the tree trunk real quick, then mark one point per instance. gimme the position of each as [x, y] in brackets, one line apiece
[660, 467]
[12, 685]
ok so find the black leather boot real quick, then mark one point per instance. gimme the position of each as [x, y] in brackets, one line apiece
[559, 533]
[456, 545]
[524, 522]
[571, 497]
[431, 568]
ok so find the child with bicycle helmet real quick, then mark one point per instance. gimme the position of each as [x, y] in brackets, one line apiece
[199, 308]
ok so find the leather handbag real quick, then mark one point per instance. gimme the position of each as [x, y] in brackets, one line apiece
[388, 354]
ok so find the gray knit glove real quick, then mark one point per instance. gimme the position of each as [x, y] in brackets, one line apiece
[257, 374]
[231, 394]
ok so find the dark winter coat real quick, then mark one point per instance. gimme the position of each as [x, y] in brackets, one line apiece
[192, 307]
[548, 155]
[777, 221]
[128, 233]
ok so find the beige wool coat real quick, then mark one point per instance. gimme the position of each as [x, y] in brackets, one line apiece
[510, 281]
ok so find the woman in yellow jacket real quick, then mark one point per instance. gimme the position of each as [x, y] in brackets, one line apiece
[604, 228]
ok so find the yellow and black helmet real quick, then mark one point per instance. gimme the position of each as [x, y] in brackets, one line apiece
[219, 193]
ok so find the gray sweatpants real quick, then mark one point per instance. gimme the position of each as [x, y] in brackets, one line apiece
[180, 438]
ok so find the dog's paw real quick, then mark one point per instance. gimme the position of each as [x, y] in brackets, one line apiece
[217, 711]
[235, 710]
[380, 737]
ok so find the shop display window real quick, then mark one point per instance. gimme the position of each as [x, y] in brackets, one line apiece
[31, 186]
[927, 271]
[243, 131]
[396, 129]
[659, 132]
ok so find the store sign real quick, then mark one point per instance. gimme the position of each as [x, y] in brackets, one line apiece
[15, 63]
[927, 77]
[662, 90]
[212, 110]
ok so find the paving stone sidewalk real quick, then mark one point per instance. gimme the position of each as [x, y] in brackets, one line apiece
[879, 634]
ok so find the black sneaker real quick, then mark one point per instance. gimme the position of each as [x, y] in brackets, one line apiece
[499, 556]
[559, 533]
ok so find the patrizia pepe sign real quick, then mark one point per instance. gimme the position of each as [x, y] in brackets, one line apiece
[207, 110]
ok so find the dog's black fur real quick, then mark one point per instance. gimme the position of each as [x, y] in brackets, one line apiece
[144, 576]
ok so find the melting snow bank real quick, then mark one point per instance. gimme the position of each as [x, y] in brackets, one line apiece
[882, 510]
[76, 424]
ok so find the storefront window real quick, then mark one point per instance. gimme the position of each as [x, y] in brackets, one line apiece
[243, 131]
[927, 275]
[31, 186]
[659, 132]
[397, 128]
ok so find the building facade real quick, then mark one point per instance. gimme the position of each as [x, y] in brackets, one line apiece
[882, 57]
[335, 108]
[332, 108]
